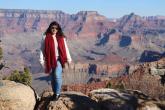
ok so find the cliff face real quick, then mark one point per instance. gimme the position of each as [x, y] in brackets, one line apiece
[84, 23]
[142, 25]
[28, 20]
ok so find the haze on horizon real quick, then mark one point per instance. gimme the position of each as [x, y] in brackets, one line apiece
[108, 8]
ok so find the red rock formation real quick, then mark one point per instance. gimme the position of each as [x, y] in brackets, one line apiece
[85, 88]
[140, 79]
[97, 68]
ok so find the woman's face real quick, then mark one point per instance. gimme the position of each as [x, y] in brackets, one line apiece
[54, 29]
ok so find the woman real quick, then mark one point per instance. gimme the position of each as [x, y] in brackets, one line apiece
[54, 56]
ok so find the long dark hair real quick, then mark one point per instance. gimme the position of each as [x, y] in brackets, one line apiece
[59, 32]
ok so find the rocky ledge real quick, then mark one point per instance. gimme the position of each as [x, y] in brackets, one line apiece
[16, 96]
[101, 99]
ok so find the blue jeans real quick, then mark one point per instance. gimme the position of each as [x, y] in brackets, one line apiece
[56, 78]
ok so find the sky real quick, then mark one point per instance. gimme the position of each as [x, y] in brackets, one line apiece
[108, 8]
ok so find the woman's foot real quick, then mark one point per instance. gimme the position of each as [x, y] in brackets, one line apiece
[55, 97]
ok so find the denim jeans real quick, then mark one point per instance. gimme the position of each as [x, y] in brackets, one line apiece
[56, 78]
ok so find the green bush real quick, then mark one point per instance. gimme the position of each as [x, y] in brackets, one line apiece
[119, 86]
[109, 85]
[21, 77]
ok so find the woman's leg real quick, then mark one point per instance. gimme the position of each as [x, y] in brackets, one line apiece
[56, 78]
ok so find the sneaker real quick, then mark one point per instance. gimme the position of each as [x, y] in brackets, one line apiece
[55, 97]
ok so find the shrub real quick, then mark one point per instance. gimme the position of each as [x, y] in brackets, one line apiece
[109, 85]
[21, 77]
[119, 86]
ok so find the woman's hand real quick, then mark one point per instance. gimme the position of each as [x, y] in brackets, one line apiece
[42, 66]
[42, 63]
[67, 66]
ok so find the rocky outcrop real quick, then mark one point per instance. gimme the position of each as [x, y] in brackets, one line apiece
[67, 101]
[110, 99]
[158, 67]
[16, 96]
[100, 99]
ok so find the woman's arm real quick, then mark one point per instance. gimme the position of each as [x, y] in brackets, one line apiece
[41, 57]
[69, 59]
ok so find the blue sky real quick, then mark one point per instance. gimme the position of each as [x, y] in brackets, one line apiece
[108, 8]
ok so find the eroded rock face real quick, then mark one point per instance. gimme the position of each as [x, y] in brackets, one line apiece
[16, 96]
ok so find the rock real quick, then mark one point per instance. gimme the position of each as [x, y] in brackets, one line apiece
[160, 64]
[111, 99]
[158, 67]
[148, 106]
[155, 71]
[16, 96]
[56, 105]
[67, 101]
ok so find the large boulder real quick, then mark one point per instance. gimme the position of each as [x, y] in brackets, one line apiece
[16, 96]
